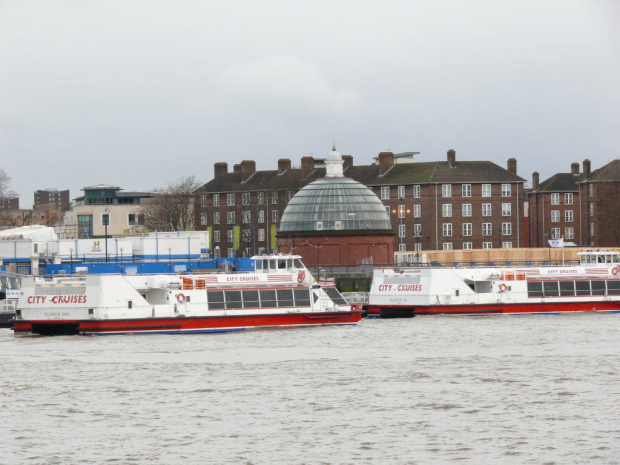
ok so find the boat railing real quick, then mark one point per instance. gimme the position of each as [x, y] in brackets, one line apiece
[355, 298]
[8, 306]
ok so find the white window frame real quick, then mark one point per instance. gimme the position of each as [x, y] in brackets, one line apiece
[466, 190]
[506, 190]
[568, 198]
[216, 217]
[466, 210]
[468, 245]
[506, 229]
[447, 246]
[385, 192]
[245, 198]
[487, 229]
[569, 233]
[555, 216]
[467, 229]
[230, 217]
[486, 190]
[261, 216]
[401, 192]
[261, 198]
[401, 211]
[417, 211]
[487, 245]
[230, 200]
[417, 230]
[487, 209]
[417, 191]
[446, 210]
[203, 200]
[216, 200]
[274, 198]
[446, 190]
[401, 230]
[216, 235]
[203, 219]
[568, 216]
[555, 233]
[506, 209]
[261, 235]
[446, 229]
[275, 216]
[246, 216]
[555, 199]
[230, 235]
[507, 245]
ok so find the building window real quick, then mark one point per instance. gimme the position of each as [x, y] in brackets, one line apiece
[417, 211]
[230, 218]
[468, 245]
[401, 230]
[274, 198]
[486, 209]
[216, 217]
[506, 229]
[230, 200]
[507, 245]
[203, 219]
[203, 200]
[446, 210]
[467, 229]
[555, 216]
[231, 252]
[446, 190]
[105, 219]
[417, 191]
[261, 198]
[591, 190]
[447, 229]
[447, 245]
[261, 216]
[246, 217]
[401, 211]
[289, 195]
[466, 209]
[555, 233]
[216, 235]
[417, 230]
[506, 209]
[486, 190]
[568, 199]
[569, 233]
[555, 199]
[245, 198]
[417, 247]
[568, 216]
[466, 190]
[275, 215]
[591, 229]
[487, 230]
[591, 209]
[387, 209]
[216, 200]
[134, 219]
[385, 192]
[230, 235]
[487, 245]
[401, 192]
[505, 190]
[402, 247]
[261, 235]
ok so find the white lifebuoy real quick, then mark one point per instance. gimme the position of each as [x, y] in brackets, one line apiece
[181, 298]
[614, 271]
[503, 287]
[301, 276]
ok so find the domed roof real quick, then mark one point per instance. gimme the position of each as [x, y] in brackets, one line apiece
[333, 204]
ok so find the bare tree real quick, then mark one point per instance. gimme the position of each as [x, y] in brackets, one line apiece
[171, 208]
[5, 182]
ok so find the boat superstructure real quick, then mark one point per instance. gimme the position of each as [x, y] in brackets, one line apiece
[592, 285]
[279, 292]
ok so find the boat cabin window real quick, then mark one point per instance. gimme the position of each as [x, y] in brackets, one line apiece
[297, 264]
[282, 264]
[258, 265]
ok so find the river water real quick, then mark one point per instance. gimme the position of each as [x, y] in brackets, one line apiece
[496, 389]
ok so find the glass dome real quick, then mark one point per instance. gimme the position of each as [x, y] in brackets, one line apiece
[332, 204]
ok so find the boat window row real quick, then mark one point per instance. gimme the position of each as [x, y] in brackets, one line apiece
[59, 290]
[333, 294]
[258, 298]
[572, 288]
[278, 264]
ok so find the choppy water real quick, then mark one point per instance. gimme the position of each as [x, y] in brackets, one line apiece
[497, 389]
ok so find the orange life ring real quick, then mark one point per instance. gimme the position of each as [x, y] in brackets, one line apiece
[503, 287]
[614, 271]
[301, 276]
[181, 298]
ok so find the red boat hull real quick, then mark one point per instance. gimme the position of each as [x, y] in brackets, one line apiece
[521, 308]
[184, 324]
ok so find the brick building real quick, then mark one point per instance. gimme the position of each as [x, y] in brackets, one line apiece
[59, 199]
[433, 205]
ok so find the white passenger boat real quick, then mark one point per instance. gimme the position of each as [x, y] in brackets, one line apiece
[593, 285]
[279, 292]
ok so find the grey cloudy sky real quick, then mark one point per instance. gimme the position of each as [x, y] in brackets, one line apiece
[138, 93]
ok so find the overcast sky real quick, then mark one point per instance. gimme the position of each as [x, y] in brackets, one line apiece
[139, 93]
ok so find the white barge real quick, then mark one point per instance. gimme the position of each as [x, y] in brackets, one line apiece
[593, 285]
[279, 292]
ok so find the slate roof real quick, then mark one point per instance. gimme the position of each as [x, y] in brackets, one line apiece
[398, 174]
[561, 182]
[609, 172]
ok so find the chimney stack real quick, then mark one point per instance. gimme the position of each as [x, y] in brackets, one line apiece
[284, 164]
[348, 161]
[248, 168]
[535, 180]
[451, 158]
[237, 168]
[586, 169]
[512, 165]
[220, 169]
[386, 161]
[307, 165]
[574, 168]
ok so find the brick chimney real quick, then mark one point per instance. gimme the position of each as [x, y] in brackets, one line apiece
[574, 168]
[307, 165]
[248, 168]
[535, 180]
[220, 169]
[237, 168]
[512, 165]
[284, 164]
[386, 161]
[348, 161]
[451, 158]
[586, 168]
